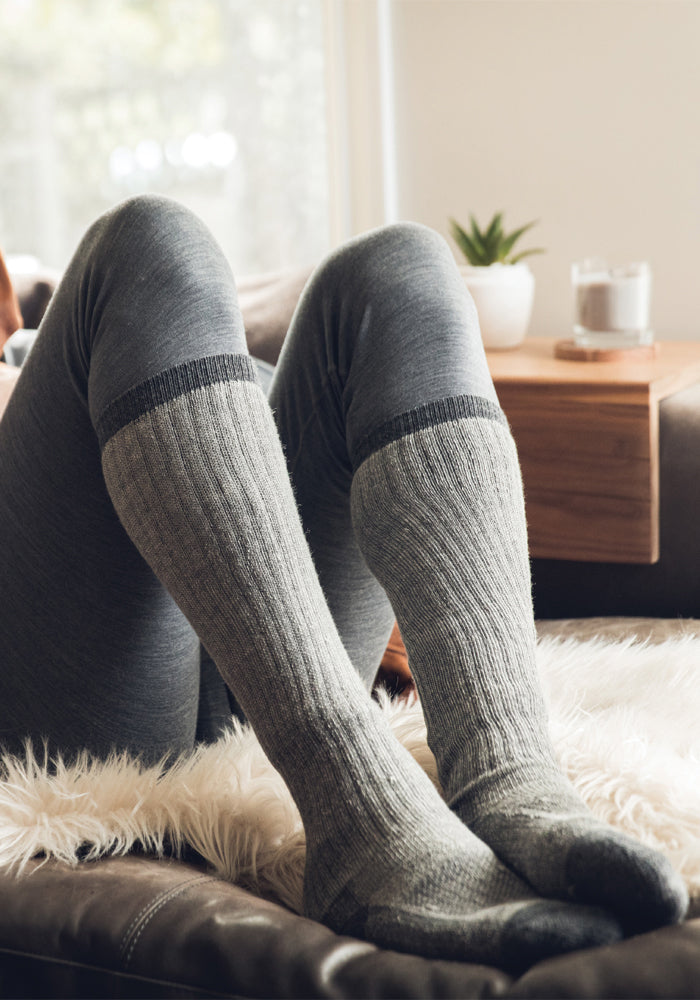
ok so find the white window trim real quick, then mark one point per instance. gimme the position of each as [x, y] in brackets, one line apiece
[361, 139]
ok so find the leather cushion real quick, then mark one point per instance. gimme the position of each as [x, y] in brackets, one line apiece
[142, 927]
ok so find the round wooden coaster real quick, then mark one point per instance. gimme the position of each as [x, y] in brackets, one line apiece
[568, 350]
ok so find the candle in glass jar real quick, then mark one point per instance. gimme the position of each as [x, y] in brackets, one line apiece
[612, 304]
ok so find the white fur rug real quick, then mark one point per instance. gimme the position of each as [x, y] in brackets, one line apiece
[624, 719]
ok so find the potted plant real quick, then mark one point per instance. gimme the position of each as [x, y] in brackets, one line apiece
[501, 284]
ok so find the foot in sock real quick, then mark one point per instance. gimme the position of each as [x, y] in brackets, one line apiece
[195, 470]
[554, 841]
[423, 883]
[439, 514]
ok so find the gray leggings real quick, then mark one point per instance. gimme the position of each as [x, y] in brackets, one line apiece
[93, 651]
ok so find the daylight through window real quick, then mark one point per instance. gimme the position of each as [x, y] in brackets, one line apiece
[218, 103]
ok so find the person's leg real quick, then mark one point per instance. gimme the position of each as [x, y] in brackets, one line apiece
[166, 401]
[400, 454]
[365, 345]
[95, 653]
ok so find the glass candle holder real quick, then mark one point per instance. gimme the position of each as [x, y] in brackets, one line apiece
[611, 304]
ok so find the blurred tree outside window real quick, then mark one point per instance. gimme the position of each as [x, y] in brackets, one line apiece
[220, 104]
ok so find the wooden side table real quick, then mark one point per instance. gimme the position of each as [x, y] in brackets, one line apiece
[588, 438]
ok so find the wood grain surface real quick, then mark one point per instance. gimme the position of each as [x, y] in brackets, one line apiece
[588, 440]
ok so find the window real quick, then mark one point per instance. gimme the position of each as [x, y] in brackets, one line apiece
[218, 103]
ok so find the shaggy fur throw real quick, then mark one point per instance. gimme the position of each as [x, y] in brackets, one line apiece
[624, 719]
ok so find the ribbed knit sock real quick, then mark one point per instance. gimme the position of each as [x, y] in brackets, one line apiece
[438, 511]
[194, 466]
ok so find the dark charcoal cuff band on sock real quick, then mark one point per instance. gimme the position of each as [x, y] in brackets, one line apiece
[170, 384]
[428, 415]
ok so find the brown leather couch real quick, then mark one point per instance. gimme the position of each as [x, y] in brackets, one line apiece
[141, 927]
[138, 926]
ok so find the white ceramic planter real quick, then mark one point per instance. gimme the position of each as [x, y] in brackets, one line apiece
[503, 295]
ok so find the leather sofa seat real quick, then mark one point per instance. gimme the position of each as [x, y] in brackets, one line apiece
[143, 927]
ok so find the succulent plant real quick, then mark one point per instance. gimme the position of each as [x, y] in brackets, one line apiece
[492, 245]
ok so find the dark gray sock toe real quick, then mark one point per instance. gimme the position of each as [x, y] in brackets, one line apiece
[638, 883]
[549, 929]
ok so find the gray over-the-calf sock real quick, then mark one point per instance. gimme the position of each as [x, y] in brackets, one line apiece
[438, 511]
[195, 469]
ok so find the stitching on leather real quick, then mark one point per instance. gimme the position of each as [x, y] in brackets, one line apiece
[144, 917]
[154, 902]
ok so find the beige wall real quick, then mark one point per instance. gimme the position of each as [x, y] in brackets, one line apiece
[584, 114]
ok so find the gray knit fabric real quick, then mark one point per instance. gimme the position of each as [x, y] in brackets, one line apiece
[195, 470]
[439, 515]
